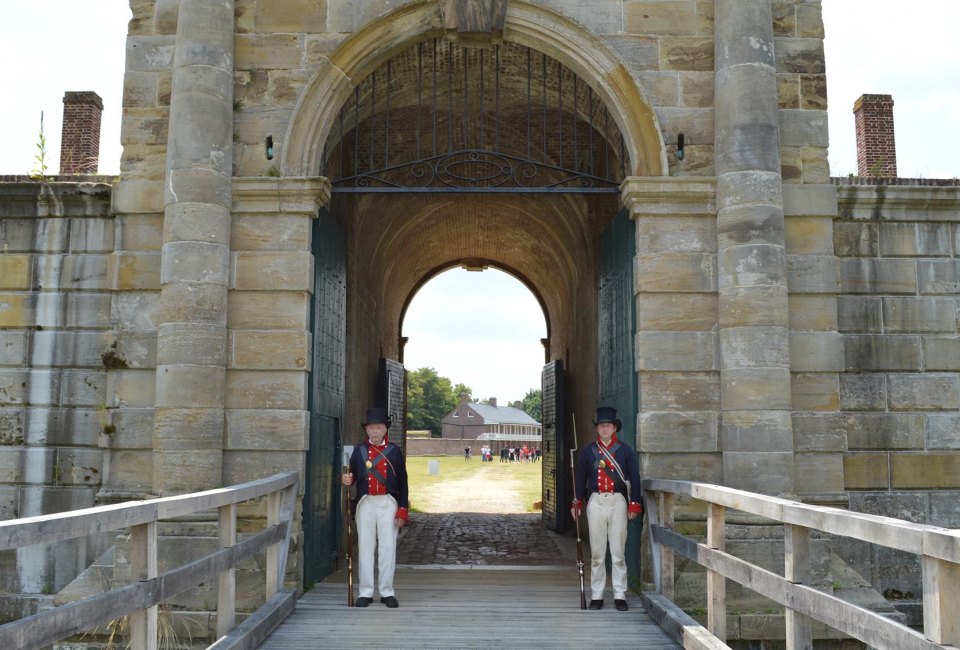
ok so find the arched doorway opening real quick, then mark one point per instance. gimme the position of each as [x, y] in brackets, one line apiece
[473, 353]
[537, 155]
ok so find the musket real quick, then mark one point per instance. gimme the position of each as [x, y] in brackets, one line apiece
[576, 517]
[349, 553]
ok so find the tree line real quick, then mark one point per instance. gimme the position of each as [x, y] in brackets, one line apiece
[430, 397]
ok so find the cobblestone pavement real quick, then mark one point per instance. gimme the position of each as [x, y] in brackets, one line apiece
[472, 538]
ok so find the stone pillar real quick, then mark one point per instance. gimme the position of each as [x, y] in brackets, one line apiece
[756, 429]
[194, 271]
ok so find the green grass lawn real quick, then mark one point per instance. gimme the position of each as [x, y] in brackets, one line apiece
[434, 493]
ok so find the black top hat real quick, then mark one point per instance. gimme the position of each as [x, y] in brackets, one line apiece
[377, 415]
[608, 414]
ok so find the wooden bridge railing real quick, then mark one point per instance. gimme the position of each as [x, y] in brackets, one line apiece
[939, 549]
[140, 599]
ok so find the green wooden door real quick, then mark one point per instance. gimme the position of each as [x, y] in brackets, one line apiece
[554, 470]
[321, 509]
[617, 323]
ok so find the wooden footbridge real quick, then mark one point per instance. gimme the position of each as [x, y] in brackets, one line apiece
[444, 607]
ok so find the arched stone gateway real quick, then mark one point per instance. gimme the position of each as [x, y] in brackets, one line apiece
[226, 310]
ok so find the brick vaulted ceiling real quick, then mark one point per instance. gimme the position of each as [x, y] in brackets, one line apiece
[523, 104]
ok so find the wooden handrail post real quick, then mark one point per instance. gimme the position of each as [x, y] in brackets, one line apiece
[143, 566]
[716, 583]
[941, 601]
[666, 553]
[796, 547]
[227, 582]
[273, 551]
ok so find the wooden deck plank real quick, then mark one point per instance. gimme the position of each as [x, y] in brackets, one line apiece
[468, 608]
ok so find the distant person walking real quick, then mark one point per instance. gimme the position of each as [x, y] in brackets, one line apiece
[608, 480]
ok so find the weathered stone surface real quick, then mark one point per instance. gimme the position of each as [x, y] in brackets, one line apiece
[866, 471]
[813, 92]
[747, 347]
[80, 466]
[754, 306]
[924, 391]
[944, 509]
[855, 239]
[765, 472]
[788, 90]
[680, 391]
[130, 470]
[692, 53]
[803, 128]
[941, 352]
[677, 351]
[695, 123]
[183, 428]
[132, 429]
[268, 51]
[800, 55]
[150, 53]
[816, 165]
[29, 386]
[751, 265]
[706, 467]
[135, 310]
[605, 18]
[83, 388]
[816, 352]
[197, 303]
[819, 432]
[240, 465]
[661, 432]
[27, 465]
[878, 276]
[860, 314]
[750, 224]
[270, 310]
[269, 350]
[809, 235]
[755, 388]
[882, 352]
[267, 429]
[819, 473]
[942, 431]
[60, 426]
[131, 388]
[696, 89]
[885, 431]
[642, 53]
[925, 471]
[187, 386]
[15, 272]
[671, 17]
[919, 315]
[812, 391]
[915, 239]
[812, 313]
[675, 272]
[938, 276]
[284, 270]
[14, 348]
[134, 271]
[756, 431]
[270, 233]
[660, 88]
[265, 389]
[180, 472]
[812, 274]
[863, 392]
[281, 16]
[8, 502]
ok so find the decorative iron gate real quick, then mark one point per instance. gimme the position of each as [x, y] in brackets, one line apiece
[441, 117]
[555, 469]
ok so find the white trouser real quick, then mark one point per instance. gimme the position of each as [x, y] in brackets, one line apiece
[607, 516]
[377, 531]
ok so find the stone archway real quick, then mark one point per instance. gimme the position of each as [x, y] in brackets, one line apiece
[528, 24]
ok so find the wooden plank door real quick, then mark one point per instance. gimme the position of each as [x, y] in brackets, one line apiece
[555, 470]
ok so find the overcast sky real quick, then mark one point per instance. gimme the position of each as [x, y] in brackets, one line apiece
[910, 51]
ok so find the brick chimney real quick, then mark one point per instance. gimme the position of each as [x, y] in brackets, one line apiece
[80, 138]
[876, 146]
